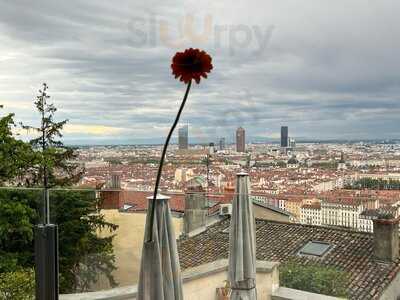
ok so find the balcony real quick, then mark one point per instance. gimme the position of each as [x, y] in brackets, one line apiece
[202, 282]
[199, 283]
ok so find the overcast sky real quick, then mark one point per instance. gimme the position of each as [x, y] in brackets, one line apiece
[327, 69]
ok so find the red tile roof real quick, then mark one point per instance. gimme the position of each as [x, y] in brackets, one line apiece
[312, 206]
[138, 200]
[352, 252]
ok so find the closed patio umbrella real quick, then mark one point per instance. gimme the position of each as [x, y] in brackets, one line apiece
[159, 277]
[242, 243]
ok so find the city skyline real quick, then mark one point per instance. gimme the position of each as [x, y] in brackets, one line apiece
[181, 138]
[232, 141]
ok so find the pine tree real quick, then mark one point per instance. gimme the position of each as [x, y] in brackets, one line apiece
[55, 167]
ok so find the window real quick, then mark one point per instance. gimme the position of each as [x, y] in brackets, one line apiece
[315, 248]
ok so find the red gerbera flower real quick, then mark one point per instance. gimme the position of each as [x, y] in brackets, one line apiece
[191, 64]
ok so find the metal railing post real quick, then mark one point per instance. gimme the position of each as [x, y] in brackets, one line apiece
[46, 261]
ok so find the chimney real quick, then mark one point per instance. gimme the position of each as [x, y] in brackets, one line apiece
[195, 208]
[115, 181]
[386, 238]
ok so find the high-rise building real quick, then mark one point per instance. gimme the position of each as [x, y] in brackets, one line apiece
[240, 140]
[284, 136]
[183, 137]
[222, 144]
[342, 163]
[292, 143]
[211, 148]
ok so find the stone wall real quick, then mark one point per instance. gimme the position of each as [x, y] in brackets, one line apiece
[195, 211]
[128, 244]
[268, 214]
[291, 294]
[199, 283]
[392, 292]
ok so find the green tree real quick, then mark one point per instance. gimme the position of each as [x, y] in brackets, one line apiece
[55, 167]
[314, 278]
[84, 254]
[15, 155]
[18, 213]
[281, 164]
[376, 184]
[16, 217]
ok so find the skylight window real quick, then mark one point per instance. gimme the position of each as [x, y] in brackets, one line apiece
[315, 248]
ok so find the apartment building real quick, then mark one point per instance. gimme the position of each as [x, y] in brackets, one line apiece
[342, 212]
[311, 214]
[293, 205]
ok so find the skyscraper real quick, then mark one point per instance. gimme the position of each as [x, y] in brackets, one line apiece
[240, 140]
[222, 144]
[284, 136]
[211, 148]
[183, 137]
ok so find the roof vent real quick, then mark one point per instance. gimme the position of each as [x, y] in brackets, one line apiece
[225, 209]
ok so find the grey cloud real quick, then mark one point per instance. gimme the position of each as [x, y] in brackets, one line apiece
[329, 70]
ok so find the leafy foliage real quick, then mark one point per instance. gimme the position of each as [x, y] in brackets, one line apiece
[83, 254]
[314, 278]
[376, 184]
[281, 164]
[329, 165]
[18, 285]
[18, 213]
[385, 215]
[15, 155]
